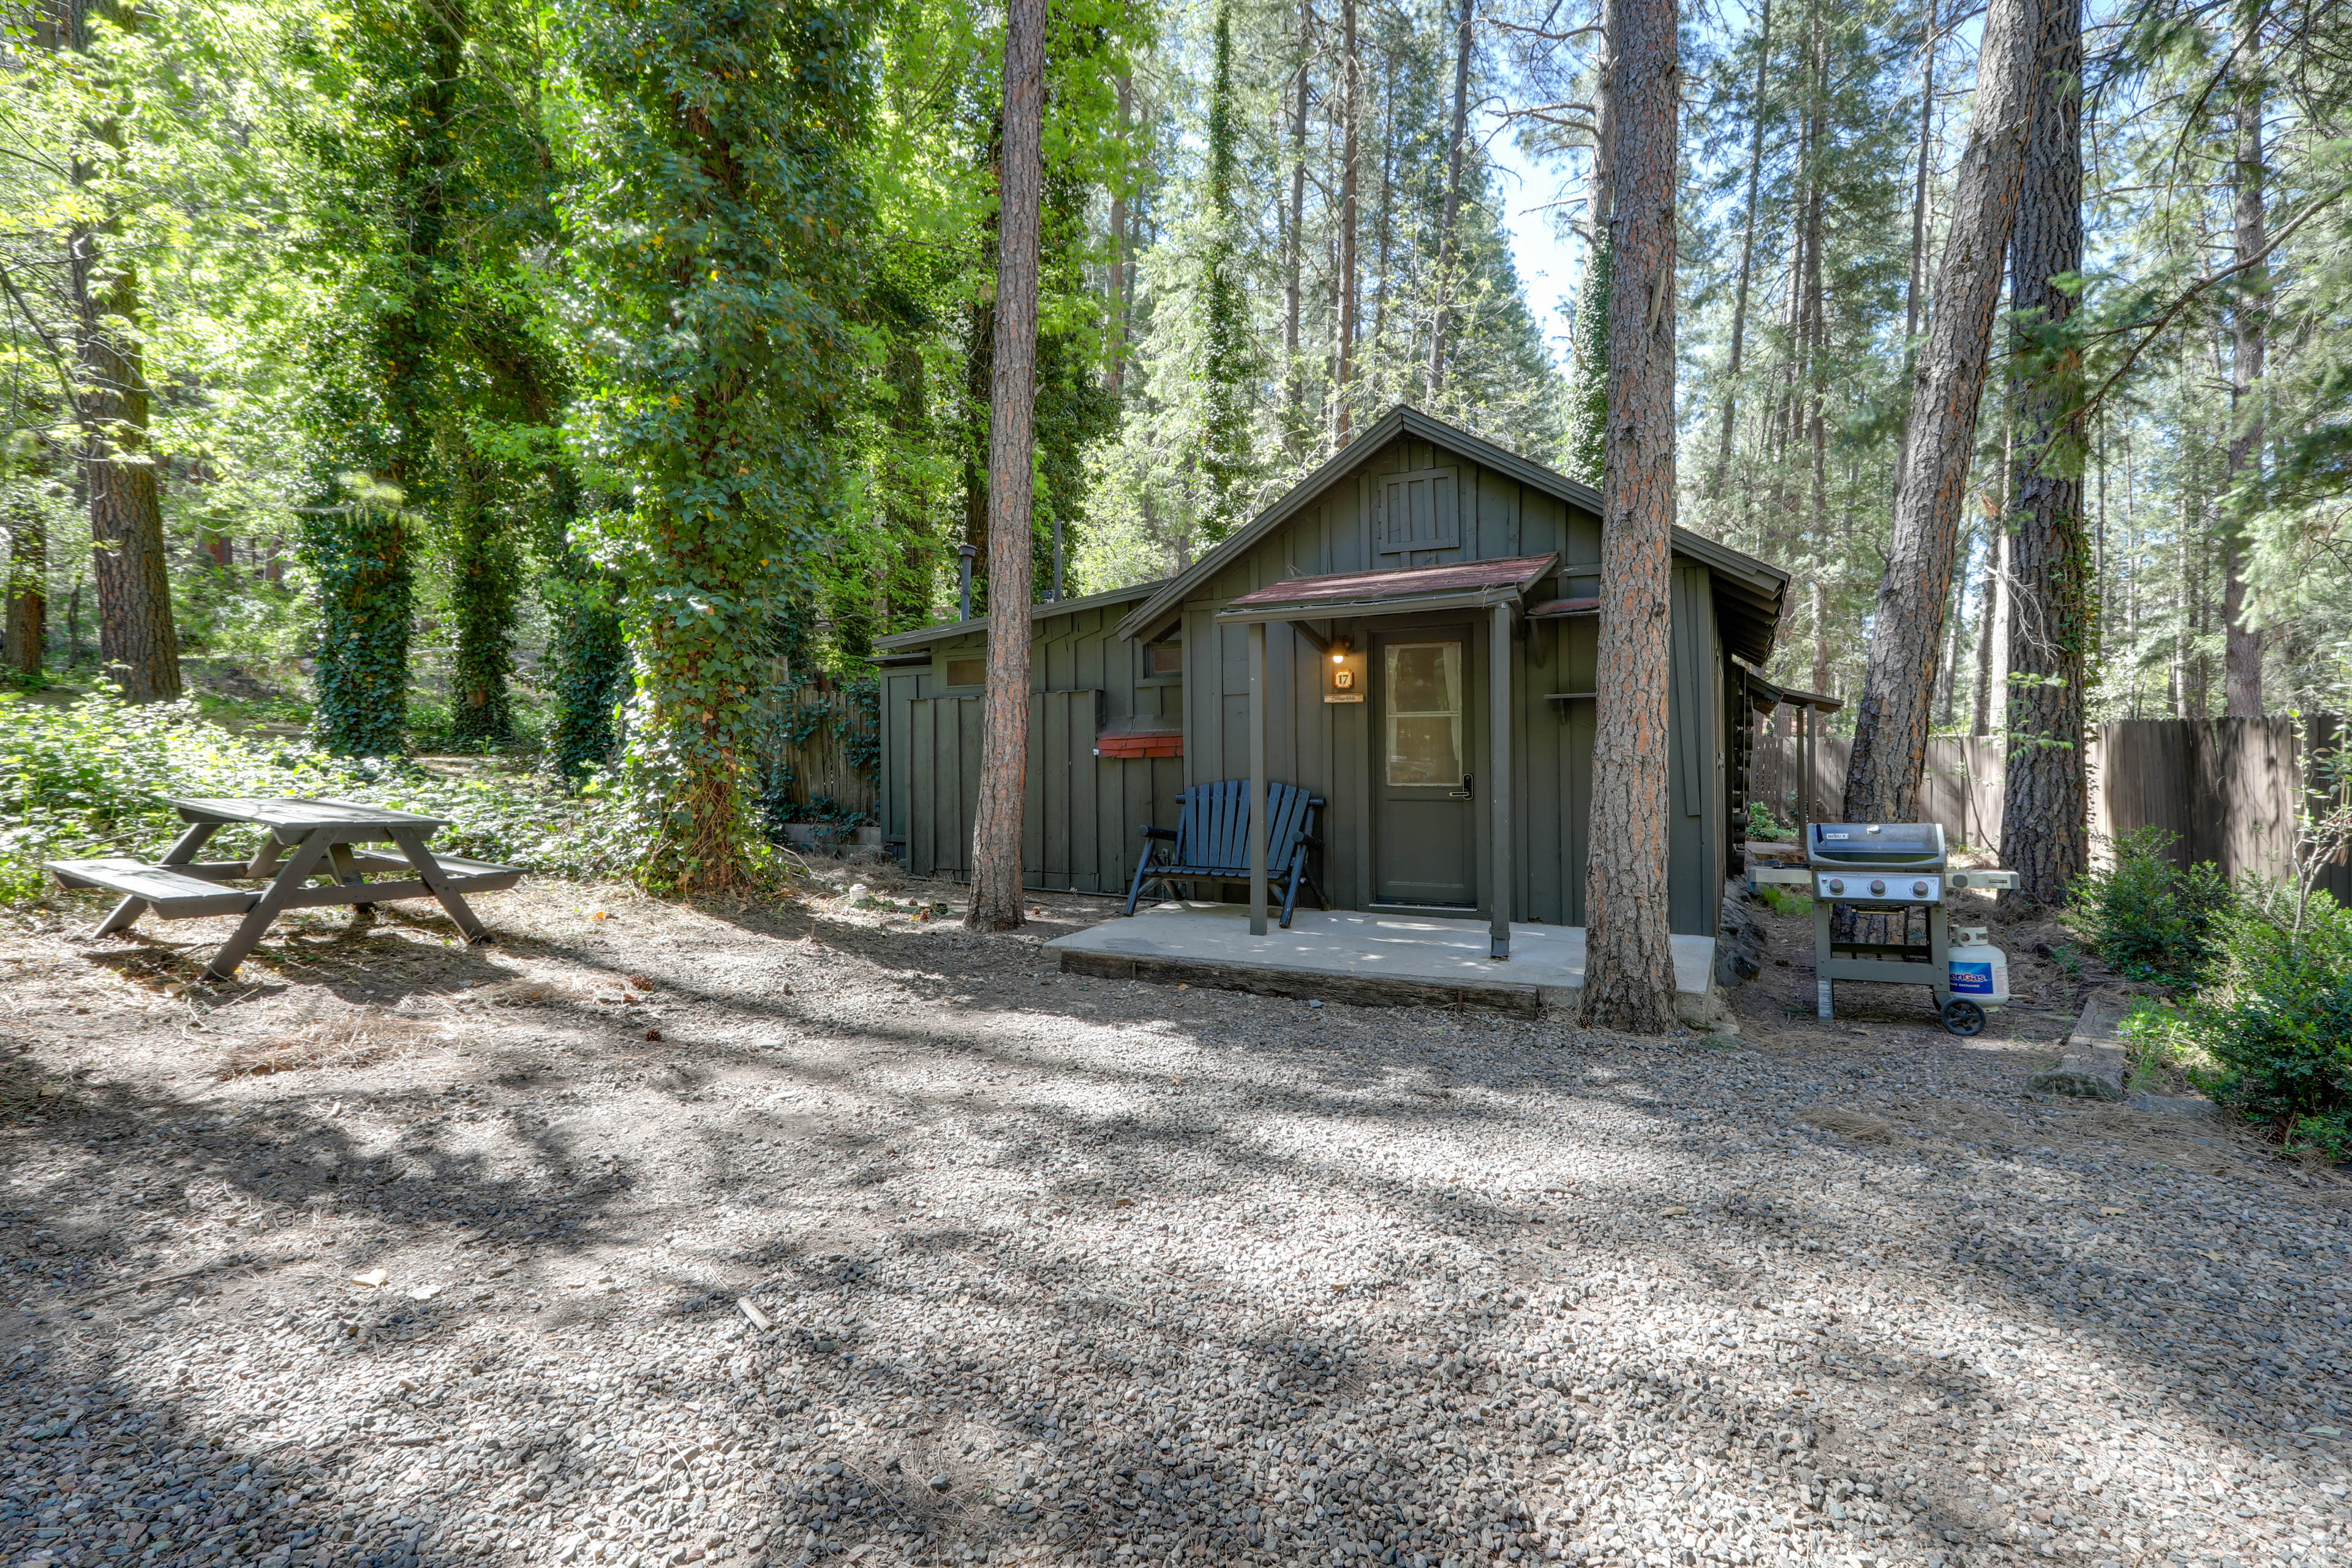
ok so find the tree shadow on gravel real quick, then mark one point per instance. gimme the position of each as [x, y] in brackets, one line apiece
[1319, 1400]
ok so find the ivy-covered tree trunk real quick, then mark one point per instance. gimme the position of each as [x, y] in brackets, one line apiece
[720, 225]
[358, 554]
[484, 574]
[28, 592]
[587, 659]
[381, 389]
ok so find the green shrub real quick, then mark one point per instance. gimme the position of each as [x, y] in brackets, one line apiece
[2147, 918]
[90, 780]
[2269, 1033]
[1762, 824]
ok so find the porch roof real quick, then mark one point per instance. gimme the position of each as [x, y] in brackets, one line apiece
[1461, 585]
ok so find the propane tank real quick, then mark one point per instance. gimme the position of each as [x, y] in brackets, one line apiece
[1978, 971]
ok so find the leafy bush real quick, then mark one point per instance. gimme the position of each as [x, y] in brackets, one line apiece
[2147, 917]
[88, 780]
[2270, 1031]
[1761, 824]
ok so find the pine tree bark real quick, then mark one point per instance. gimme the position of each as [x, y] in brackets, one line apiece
[1343, 364]
[1294, 236]
[1816, 353]
[1915, 284]
[1629, 981]
[2241, 652]
[1890, 744]
[485, 578]
[1989, 629]
[2045, 807]
[1747, 252]
[996, 895]
[1459, 134]
[138, 647]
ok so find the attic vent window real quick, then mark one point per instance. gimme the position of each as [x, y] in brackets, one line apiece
[1416, 510]
[1163, 660]
[967, 672]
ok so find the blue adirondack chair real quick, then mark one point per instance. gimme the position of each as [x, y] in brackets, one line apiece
[1210, 840]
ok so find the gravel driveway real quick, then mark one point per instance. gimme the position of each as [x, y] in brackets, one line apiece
[1052, 1269]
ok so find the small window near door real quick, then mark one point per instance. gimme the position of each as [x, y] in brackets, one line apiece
[1163, 660]
[1424, 703]
[967, 672]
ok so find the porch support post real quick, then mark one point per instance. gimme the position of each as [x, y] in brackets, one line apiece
[1258, 778]
[1503, 871]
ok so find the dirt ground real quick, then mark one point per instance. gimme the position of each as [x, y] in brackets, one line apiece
[398, 1253]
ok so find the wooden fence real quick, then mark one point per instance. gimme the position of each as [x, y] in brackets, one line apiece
[2227, 789]
[816, 749]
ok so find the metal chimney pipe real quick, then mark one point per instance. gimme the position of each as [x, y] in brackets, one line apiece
[966, 552]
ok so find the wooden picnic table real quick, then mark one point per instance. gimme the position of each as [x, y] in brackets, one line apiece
[303, 839]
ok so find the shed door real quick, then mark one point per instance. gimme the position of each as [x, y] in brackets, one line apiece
[1426, 825]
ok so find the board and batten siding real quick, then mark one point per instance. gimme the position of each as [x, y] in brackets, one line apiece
[1328, 749]
[1084, 813]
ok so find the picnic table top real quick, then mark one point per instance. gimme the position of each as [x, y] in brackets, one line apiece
[298, 811]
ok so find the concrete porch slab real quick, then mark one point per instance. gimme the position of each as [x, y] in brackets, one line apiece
[1354, 955]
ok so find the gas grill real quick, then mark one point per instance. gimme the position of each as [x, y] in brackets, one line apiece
[1882, 873]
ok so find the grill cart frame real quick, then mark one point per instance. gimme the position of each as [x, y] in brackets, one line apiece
[1879, 868]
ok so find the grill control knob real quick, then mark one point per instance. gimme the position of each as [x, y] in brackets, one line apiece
[1920, 889]
[1877, 887]
[1837, 885]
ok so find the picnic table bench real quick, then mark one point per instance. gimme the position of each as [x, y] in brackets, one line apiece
[301, 839]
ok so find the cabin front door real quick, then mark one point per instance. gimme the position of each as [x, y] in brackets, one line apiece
[1424, 786]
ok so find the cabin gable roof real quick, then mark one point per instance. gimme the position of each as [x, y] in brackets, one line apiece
[1749, 593]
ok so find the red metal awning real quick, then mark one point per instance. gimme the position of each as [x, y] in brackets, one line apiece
[1344, 590]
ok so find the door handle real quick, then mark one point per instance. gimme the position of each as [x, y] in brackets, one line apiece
[1465, 792]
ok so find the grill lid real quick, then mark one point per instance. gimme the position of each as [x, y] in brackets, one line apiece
[1906, 844]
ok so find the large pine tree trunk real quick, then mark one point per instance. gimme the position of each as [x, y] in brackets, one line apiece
[1342, 365]
[137, 645]
[996, 897]
[1629, 978]
[1915, 282]
[1890, 742]
[2046, 807]
[1294, 234]
[1460, 132]
[2241, 653]
[1747, 251]
[1816, 351]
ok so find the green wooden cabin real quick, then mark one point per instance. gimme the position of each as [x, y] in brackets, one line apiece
[1425, 605]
